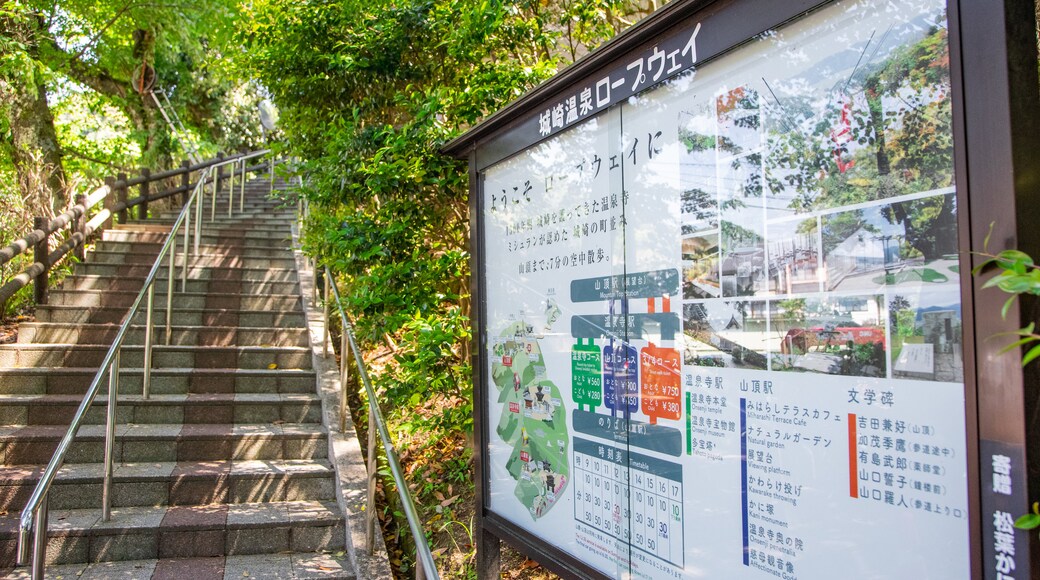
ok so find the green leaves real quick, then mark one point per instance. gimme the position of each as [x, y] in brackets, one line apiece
[1031, 520]
[369, 90]
[1018, 274]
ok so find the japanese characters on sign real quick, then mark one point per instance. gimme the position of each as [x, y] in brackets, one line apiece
[675, 54]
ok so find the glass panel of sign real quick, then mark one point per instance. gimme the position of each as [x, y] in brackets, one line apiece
[724, 321]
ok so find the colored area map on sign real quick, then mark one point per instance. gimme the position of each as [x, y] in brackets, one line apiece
[534, 421]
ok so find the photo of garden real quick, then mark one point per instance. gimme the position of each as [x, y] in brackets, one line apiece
[926, 334]
[906, 242]
[721, 333]
[835, 335]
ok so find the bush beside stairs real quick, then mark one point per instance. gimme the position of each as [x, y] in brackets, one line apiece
[224, 471]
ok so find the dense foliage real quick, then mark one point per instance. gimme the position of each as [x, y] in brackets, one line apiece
[69, 113]
[368, 92]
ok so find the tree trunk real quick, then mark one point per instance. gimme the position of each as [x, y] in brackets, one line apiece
[34, 142]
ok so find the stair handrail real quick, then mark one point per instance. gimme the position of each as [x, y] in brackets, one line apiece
[425, 565]
[33, 520]
[37, 239]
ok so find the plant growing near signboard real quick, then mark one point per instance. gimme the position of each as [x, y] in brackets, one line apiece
[1019, 275]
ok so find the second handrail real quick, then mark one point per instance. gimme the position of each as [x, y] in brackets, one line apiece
[426, 566]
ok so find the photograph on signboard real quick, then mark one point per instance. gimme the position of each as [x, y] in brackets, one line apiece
[926, 333]
[740, 183]
[700, 256]
[739, 122]
[742, 269]
[794, 256]
[834, 335]
[793, 194]
[903, 242]
[883, 129]
[697, 174]
[725, 333]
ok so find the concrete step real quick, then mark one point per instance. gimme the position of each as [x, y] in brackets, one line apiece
[228, 457]
[221, 260]
[164, 409]
[290, 566]
[236, 227]
[177, 356]
[136, 533]
[239, 231]
[78, 486]
[134, 283]
[181, 317]
[211, 300]
[194, 272]
[165, 381]
[104, 334]
[35, 444]
[252, 212]
[238, 248]
[207, 238]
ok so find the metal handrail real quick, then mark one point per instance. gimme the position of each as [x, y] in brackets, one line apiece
[242, 190]
[34, 516]
[425, 566]
[37, 271]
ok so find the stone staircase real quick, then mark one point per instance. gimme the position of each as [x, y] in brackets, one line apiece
[223, 472]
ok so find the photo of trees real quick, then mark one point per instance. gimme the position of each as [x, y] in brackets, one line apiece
[827, 171]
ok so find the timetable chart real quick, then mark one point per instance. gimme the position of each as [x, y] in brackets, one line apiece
[633, 497]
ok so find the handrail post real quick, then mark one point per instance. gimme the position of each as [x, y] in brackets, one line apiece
[147, 378]
[79, 226]
[169, 288]
[121, 196]
[231, 189]
[325, 308]
[218, 187]
[270, 171]
[142, 209]
[41, 253]
[184, 266]
[110, 438]
[39, 561]
[110, 200]
[198, 210]
[344, 376]
[242, 190]
[185, 180]
[213, 194]
[420, 574]
[370, 504]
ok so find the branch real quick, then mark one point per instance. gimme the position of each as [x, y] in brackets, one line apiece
[75, 153]
[78, 70]
[97, 35]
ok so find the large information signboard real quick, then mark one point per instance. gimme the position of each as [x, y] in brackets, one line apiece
[722, 316]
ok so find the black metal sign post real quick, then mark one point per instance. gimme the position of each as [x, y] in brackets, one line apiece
[725, 321]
